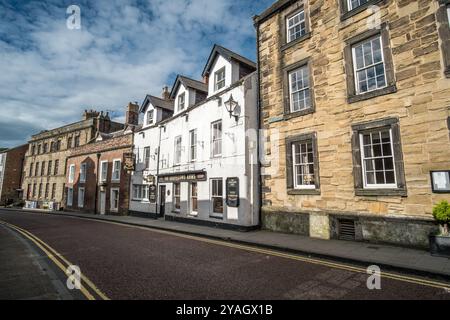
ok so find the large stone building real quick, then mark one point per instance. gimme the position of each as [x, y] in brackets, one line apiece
[11, 174]
[45, 160]
[97, 180]
[355, 99]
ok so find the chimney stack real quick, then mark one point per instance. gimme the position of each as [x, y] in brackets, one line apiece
[132, 116]
[206, 79]
[166, 94]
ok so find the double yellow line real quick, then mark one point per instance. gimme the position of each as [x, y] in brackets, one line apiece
[334, 265]
[89, 290]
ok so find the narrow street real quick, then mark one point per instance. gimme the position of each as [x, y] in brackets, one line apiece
[125, 262]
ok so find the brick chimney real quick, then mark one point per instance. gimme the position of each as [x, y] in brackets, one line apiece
[89, 114]
[165, 94]
[206, 79]
[132, 116]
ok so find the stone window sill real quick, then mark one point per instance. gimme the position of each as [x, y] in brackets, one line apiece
[372, 94]
[296, 41]
[303, 191]
[381, 192]
[295, 114]
[359, 9]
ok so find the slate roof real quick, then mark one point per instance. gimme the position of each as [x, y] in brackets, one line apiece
[188, 83]
[157, 102]
[227, 54]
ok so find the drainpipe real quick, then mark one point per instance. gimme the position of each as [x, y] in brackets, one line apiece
[96, 184]
[258, 133]
[157, 174]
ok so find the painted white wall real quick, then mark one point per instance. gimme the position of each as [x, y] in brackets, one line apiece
[188, 98]
[231, 74]
[157, 115]
[234, 161]
[2, 169]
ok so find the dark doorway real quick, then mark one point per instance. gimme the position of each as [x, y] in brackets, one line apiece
[162, 201]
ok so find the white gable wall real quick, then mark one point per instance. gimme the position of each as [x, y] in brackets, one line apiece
[231, 74]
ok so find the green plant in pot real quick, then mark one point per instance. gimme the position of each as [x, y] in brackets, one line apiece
[441, 212]
[440, 243]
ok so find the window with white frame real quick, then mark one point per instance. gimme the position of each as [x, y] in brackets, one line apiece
[69, 197]
[83, 168]
[217, 196]
[176, 197]
[193, 145]
[378, 159]
[296, 26]
[117, 165]
[147, 157]
[353, 4]
[103, 171]
[177, 149]
[303, 165]
[71, 173]
[300, 96]
[448, 15]
[150, 117]
[115, 199]
[216, 138]
[194, 197]
[140, 192]
[80, 197]
[181, 101]
[219, 78]
[369, 65]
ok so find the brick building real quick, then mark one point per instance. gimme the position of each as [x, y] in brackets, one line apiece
[45, 160]
[11, 174]
[355, 100]
[96, 179]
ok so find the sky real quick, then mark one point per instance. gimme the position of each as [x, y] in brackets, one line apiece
[125, 49]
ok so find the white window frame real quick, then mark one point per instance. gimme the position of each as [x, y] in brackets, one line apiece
[116, 170]
[150, 112]
[216, 139]
[140, 192]
[220, 83]
[71, 173]
[83, 172]
[193, 145]
[103, 179]
[147, 157]
[212, 196]
[174, 195]
[191, 197]
[302, 90]
[81, 199]
[355, 70]
[177, 150]
[294, 169]
[363, 165]
[182, 101]
[70, 196]
[350, 6]
[288, 28]
[112, 200]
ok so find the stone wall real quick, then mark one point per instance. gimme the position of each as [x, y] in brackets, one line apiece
[13, 171]
[421, 103]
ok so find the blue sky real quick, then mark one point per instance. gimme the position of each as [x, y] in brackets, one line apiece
[124, 50]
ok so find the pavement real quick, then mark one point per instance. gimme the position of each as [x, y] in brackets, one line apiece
[408, 260]
[26, 273]
[129, 262]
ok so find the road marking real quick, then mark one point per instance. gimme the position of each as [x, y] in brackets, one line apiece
[224, 243]
[335, 265]
[52, 254]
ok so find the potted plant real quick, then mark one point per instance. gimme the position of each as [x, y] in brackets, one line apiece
[440, 243]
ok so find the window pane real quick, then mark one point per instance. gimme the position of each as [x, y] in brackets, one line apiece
[390, 178]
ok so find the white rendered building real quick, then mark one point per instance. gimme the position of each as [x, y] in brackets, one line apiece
[199, 164]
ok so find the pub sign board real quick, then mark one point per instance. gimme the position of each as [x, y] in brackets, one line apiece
[232, 189]
[183, 177]
[152, 193]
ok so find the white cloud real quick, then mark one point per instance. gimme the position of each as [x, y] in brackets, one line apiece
[123, 51]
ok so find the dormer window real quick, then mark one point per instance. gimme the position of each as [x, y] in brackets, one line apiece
[219, 79]
[296, 26]
[181, 101]
[149, 117]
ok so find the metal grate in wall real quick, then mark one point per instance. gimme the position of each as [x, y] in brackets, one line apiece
[346, 229]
